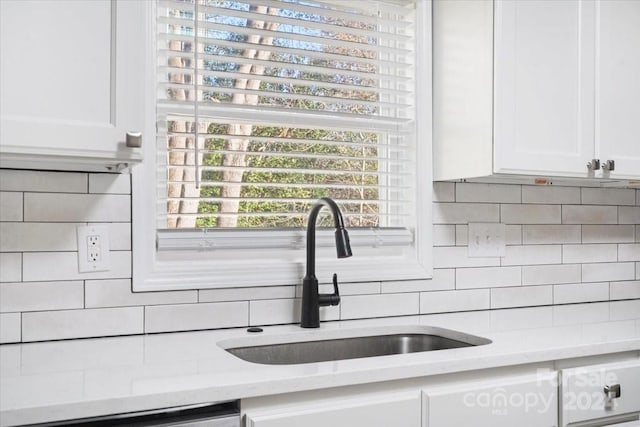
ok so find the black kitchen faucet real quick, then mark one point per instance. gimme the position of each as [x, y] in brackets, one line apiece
[312, 300]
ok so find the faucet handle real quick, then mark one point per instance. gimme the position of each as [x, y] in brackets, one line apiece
[336, 291]
[330, 299]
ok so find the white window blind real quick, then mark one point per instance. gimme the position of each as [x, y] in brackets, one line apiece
[263, 106]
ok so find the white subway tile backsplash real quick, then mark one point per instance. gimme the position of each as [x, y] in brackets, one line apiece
[53, 207]
[444, 192]
[524, 296]
[608, 196]
[40, 296]
[548, 234]
[10, 328]
[10, 267]
[119, 235]
[283, 311]
[451, 257]
[594, 231]
[117, 293]
[464, 213]
[488, 277]
[56, 236]
[462, 235]
[589, 214]
[629, 252]
[625, 290]
[99, 322]
[10, 206]
[360, 288]
[38, 236]
[384, 305]
[443, 235]
[188, 317]
[629, 215]
[580, 292]
[273, 312]
[41, 181]
[530, 214]
[550, 274]
[41, 266]
[572, 254]
[550, 195]
[608, 271]
[110, 183]
[475, 322]
[607, 233]
[488, 193]
[442, 279]
[246, 294]
[458, 300]
[513, 235]
[532, 255]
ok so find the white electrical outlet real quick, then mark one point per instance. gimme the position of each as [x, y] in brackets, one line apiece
[93, 248]
[486, 240]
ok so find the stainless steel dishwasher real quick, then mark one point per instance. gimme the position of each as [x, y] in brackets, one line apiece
[225, 414]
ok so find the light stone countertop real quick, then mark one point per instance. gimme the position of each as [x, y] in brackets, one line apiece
[60, 380]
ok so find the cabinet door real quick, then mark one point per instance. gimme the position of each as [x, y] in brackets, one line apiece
[397, 411]
[530, 401]
[618, 86]
[544, 86]
[70, 76]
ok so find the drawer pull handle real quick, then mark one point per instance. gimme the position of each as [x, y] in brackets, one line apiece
[594, 165]
[612, 391]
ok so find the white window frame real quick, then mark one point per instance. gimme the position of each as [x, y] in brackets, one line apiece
[179, 269]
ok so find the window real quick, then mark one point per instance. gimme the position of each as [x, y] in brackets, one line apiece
[264, 106]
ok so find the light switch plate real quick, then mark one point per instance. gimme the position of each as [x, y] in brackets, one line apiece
[486, 240]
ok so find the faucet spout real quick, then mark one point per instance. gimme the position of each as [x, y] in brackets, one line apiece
[311, 299]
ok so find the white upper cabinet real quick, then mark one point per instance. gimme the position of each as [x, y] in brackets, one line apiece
[71, 82]
[618, 85]
[534, 88]
[543, 86]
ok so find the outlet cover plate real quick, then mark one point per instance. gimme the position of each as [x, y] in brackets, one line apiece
[486, 240]
[93, 248]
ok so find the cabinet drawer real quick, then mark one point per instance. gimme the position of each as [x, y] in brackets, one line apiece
[583, 395]
[527, 401]
[397, 410]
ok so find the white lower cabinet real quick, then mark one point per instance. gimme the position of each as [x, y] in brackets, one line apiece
[392, 410]
[608, 394]
[527, 401]
[544, 395]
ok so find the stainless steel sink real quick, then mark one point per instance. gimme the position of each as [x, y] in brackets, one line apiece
[363, 343]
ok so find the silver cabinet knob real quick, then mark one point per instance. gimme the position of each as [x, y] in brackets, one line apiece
[594, 165]
[134, 139]
[612, 391]
[609, 165]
